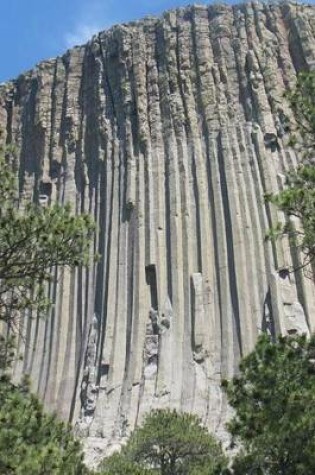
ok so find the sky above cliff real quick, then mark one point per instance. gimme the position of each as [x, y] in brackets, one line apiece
[33, 30]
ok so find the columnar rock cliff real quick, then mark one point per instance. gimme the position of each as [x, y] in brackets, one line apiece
[169, 131]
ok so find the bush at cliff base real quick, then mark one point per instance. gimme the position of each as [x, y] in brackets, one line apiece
[169, 443]
[31, 441]
[274, 400]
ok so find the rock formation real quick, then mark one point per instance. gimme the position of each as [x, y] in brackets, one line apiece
[169, 131]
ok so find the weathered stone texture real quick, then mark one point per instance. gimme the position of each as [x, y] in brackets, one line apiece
[169, 131]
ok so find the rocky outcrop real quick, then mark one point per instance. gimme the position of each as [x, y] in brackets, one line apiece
[169, 131]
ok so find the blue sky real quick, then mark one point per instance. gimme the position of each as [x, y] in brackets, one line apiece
[33, 30]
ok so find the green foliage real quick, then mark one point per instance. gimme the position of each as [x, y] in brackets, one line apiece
[121, 464]
[298, 198]
[302, 102]
[274, 400]
[170, 443]
[32, 442]
[32, 242]
[7, 352]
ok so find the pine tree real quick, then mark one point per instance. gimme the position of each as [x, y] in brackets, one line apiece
[274, 402]
[170, 443]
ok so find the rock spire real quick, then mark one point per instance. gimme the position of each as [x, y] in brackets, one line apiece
[169, 131]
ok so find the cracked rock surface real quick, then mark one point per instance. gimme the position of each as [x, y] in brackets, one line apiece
[169, 131]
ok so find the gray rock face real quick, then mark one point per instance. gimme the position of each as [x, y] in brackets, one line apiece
[169, 131]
